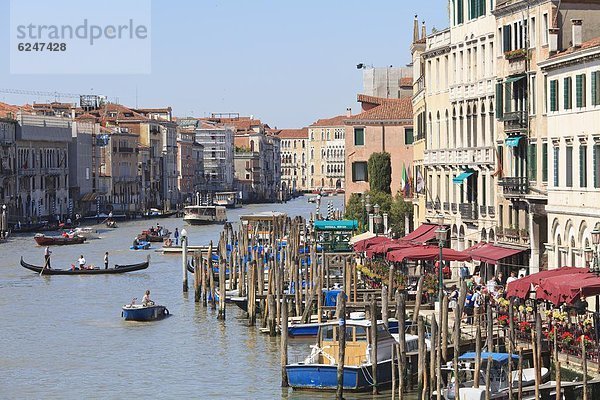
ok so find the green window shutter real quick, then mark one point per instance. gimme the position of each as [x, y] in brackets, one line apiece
[544, 162]
[582, 166]
[460, 12]
[569, 166]
[567, 93]
[353, 172]
[580, 90]
[359, 136]
[553, 94]
[408, 136]
[507, 97]
[506, 45]
[499, 100]
[532, 162]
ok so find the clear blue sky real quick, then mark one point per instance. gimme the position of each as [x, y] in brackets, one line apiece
[285, 62]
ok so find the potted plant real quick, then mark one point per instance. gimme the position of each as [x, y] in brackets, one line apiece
[515, 54]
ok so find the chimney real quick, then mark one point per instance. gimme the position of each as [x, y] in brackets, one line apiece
[348, 112]
[553, 36]
[577, 31]
[415, 30]
[423, 31]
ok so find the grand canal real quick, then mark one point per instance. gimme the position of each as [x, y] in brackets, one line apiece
[63, 336]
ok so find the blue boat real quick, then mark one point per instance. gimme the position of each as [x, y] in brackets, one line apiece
[319, 370]
[140, 312]
[312, 329]
[142, 245]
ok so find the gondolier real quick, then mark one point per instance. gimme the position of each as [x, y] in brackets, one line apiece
[106, 260]
[47, 253]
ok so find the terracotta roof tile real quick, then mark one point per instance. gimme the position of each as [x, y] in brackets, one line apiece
[301, 133]
[335, 121]
[406, 81]
[363, 98]
[595, 42]
[387, 109]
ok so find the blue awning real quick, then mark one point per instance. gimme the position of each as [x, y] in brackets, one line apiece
[336, 225]
[498, 357]
[513, 141]
[461, 177]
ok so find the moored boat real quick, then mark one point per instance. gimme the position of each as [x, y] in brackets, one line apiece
[111, 224]
[86, 232]
[153, 236]
[226, 199]
[141, 245]
[141, 312]
[202, 215]
[319, 370]
[117, 269]
[44, 240]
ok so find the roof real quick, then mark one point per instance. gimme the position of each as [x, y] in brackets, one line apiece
[406, 81]
[385, 110]
[11, 109]
[334, 121]
[301, 133]
[422, 234]
[491, 253]
[595, 42]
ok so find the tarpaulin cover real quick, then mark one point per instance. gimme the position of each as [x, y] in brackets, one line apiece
[521, 287]
[425, 231]
[363, 245]
[385, 247]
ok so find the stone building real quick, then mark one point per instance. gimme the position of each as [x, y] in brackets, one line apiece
[293, 160]
[327, 142]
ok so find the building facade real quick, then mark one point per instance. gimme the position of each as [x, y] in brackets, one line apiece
[573, 156]
[218, 154]
[384, 125]
[293, 160]
[327, 142]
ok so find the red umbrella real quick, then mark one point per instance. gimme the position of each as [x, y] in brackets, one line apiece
[385, 247]
[521, 287]
[566, 288]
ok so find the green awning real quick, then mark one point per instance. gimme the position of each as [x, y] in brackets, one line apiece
[513, 141]
[514, 78]
[461, 177]
[339, 225]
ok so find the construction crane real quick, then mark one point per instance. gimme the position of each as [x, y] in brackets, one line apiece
[55, 95]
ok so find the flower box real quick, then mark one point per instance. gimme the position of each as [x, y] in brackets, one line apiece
[515, 54]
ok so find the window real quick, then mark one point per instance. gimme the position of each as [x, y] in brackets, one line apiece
[476, 8]
[569, 169]
[532, 162]
[359, 136]
[567, 89]
[499, 100]
[460, 11]
[359, 171]
[545, 29]
[532, 97]
[506, 38]
[596, 159]
[595, 88]
[553, 95]
[532, 33]
[556, 164]
[408, 136]
[580, 90]
[582, 166]
[544, 162]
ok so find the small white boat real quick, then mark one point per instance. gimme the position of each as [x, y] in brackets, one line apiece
[203, 215]
[227, 199]
[86, 232]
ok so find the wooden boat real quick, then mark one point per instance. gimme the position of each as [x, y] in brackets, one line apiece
[319, 370]
[111, 224]
[140, 312]
[44, 240]
[117, 269]
[86, 232]
[153, 236]
[156, 213]
[202, 215]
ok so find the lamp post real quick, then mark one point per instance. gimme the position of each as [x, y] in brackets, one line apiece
[368, 208]
[440, 234]
[363, 213]
[592, 254]
[377, 218]
[3, 222]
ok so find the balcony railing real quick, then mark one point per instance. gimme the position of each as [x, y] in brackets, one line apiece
[446, 206]
[514, 120]
[513, 235]
[492, 211]
[468, 211]
[454, 207]
[514, 185]
[482, 210]
[429, 205]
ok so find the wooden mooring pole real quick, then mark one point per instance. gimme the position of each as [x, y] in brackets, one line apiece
[184, 244]
[341, 300]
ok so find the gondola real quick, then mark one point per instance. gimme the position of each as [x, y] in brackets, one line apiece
[117, 269]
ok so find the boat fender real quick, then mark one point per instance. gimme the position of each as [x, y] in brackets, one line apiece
[122, 314]
[166, 311]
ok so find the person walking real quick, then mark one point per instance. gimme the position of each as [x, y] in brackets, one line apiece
[47, 253]
[176, 237]
[106, 260]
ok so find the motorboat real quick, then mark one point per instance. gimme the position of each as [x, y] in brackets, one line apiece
[86, 232]
[203, 215]
[226, 199]
[44, 240]
[319, 370]
[144, 312]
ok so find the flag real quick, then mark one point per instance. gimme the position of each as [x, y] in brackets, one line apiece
[420, 181]
[405, 182]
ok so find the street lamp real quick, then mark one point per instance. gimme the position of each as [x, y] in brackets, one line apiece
[368, 209]
[377, 218]
[592, 255]
[440, 234]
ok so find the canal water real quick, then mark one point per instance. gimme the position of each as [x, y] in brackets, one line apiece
[63, 336]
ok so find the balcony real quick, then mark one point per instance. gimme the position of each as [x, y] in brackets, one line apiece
[124, 179]
[468, 211]
[514, 121]
[483, 211]
[429, 205]
[446, 206]
[514, 186]
[513, 236]
[492, 211]
[28, 172]
[454, 208]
